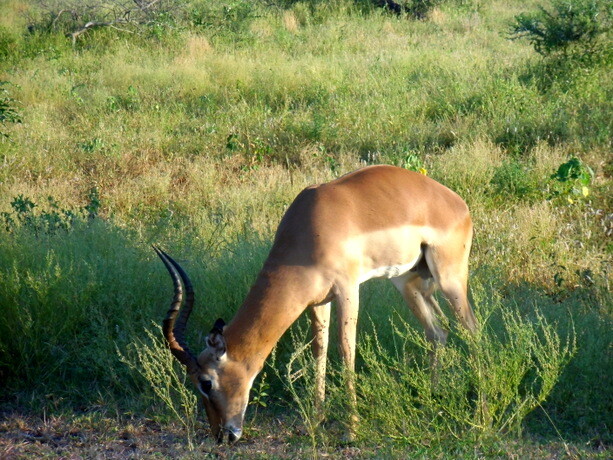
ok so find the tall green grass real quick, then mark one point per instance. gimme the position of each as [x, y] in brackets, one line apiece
[151, 359]
[72, 298]
[477, 391]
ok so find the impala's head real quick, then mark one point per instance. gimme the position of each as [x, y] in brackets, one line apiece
[223, 383]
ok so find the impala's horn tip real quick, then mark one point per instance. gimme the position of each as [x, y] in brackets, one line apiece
[218, 326]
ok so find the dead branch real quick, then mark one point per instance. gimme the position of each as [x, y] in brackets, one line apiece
[132, 13]
[59, 15]
[92, 24]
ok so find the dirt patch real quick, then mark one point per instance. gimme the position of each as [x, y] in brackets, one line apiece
[100, 436]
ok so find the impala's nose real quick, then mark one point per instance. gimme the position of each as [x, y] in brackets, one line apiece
[234, 434]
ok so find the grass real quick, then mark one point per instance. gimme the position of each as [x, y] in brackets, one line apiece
[198, 136]
[153, 362]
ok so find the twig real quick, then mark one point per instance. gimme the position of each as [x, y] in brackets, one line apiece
[92, 25]
[57, 18]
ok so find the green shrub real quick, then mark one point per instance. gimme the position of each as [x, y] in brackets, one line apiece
[570, 27]
[474, 393]
[571, 180]
[221, 18]
[48, 219]
[8, 111]
[514, 178]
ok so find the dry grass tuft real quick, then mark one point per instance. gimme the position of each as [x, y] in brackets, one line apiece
[290, 22]
[468, 167]
[196, 48]
[437, 16]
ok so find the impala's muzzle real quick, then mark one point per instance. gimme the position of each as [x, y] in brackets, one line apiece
[233, 433]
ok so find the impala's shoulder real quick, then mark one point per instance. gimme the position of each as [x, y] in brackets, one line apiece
[307, 195]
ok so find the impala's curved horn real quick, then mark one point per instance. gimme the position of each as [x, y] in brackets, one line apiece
[173, 327]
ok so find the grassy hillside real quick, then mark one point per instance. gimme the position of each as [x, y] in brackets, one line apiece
[196, 129]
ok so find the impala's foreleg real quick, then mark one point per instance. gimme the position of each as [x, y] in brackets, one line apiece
[320, 325]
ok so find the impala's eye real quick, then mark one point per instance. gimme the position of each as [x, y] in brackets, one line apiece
[205, 386]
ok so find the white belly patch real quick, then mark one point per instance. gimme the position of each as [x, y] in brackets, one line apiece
[391, 271]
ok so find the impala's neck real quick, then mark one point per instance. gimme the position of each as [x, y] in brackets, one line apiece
[274, 302]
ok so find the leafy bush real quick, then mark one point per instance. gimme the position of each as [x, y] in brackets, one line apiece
[569, 27]
[234, 16]
[571, 180]
[51, 220]
[8, 112]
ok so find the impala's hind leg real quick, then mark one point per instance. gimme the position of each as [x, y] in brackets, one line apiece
[449, 266]
[417, 287]
[417, 290]
[320, 326]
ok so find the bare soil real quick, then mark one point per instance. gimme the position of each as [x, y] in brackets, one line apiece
[96, 436]
[66, 437]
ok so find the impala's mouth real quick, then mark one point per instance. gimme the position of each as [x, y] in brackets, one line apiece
[234, 434]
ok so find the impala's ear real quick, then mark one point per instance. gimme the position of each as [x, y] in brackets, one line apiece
[215, 339]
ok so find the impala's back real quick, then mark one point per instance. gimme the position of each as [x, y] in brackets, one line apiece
[368, 220]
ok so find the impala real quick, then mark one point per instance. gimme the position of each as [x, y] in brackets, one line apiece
[379, 221]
